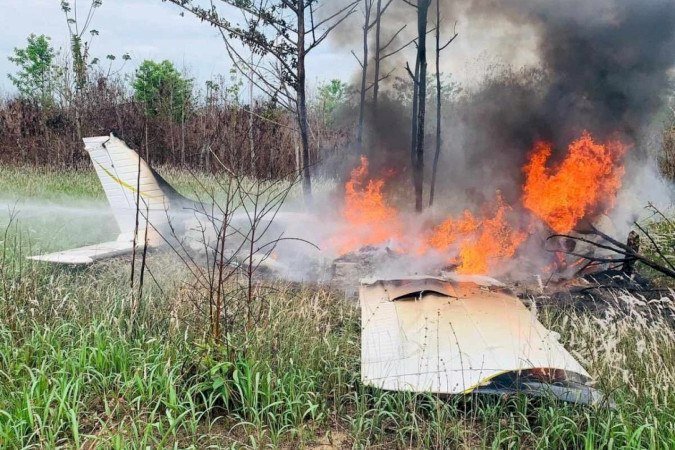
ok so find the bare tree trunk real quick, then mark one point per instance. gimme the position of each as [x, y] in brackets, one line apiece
[413, 117]
[250, 122]
[418, 166]
[376, 80]
[78, 128]
[302, 104]
[182, 132]
[364, 73]
[434, 168]
[296, 147]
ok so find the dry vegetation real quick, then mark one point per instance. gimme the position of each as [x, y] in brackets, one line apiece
[86, 361]
[216, 130]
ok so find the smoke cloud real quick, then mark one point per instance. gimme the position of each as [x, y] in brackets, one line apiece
[530, 70]
[556, 69]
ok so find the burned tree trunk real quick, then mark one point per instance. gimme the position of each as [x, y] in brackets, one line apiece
[381, 50]
[413, 117]
[418, 160]
[439, 49]
[368, 5]
[633, 243]
[437, 153]
[302, 103]
[378, 28]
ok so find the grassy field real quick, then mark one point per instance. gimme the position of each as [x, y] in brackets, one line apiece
[81, 368]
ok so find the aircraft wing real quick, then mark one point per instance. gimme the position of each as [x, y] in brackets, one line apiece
[429, 335]
[88, 254]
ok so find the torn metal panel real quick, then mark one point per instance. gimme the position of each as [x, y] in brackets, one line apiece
[413, 286]
[431, 335]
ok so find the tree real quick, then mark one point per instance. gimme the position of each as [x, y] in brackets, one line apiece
[367, 25]
[439, 49]
[35, 78]
[381, 51]
[162, 89]
[285, 32]
[364, 60]
[331, 96]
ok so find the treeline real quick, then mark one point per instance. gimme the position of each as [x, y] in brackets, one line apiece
[214, 131]
[160, 113]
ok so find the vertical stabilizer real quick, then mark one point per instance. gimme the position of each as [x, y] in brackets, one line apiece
[127, 181]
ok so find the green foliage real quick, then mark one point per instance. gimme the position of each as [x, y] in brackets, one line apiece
[36, 76]
[229, 90]
[163, 90]
[332, 95]
[234, 87]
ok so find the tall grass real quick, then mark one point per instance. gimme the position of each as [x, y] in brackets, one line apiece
[76, 372]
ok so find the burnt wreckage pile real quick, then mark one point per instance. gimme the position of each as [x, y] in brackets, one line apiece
[599, 270]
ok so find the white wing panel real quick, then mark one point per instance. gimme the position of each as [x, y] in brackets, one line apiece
[451, 344]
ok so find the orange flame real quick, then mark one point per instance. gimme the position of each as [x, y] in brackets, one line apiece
[582, 185]
[586, 181]
[371, 220]
[482, 243]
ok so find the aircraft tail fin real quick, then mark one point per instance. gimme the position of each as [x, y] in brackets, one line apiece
[130, 185]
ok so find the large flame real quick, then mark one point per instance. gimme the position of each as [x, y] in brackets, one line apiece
[585, 183]
[482, 243]
[370, 219]
[581, 186]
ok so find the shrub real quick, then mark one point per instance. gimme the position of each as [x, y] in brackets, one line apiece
[162, 90]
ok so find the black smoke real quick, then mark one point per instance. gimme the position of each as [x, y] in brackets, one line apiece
[603, 67]
[608, 72]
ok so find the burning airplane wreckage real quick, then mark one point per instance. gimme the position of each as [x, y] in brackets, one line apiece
[539, 175]
[453, 330]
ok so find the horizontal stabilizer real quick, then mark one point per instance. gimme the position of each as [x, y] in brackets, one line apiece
[88, 254]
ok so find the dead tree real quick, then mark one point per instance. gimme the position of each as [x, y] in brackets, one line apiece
[364, 60]
[285, 32]
[439, 49]
[383, 51]
[378, 32]
[419, 100]
[627, 253]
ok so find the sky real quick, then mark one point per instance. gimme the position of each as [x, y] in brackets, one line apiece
[145, 29]
[152, 29]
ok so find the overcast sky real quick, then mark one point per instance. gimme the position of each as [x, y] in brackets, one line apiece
[146, 29]
[152, 29]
